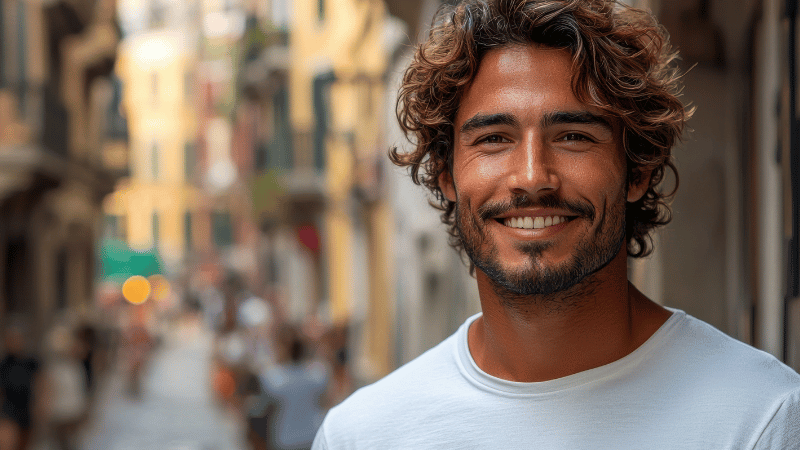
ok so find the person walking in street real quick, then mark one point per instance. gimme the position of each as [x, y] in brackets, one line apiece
[544, 129]
[137, 344]
[65, 386]
[289, 410]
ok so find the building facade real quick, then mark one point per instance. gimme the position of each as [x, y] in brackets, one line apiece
[153, 208]
[314, 83]
[62, 146]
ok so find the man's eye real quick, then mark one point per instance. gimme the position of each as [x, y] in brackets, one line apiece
[574, 137]
[493, 139]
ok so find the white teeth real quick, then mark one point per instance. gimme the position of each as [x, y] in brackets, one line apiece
[529, 223]
[533, 222]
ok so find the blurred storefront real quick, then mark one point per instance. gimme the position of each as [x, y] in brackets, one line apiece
[63, 144]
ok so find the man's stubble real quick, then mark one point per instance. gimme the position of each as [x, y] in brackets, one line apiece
[555, 287]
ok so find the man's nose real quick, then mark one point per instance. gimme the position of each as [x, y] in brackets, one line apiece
[532, 170]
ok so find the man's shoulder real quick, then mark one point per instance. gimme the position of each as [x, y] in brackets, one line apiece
[407, 392]
[425, 372]
[726, 359]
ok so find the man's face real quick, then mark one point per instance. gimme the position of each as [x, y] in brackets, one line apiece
[539, 178]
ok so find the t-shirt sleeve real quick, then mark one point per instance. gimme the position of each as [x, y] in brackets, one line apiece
[783, 430]
[320, 443]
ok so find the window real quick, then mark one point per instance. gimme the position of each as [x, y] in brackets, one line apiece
[156, 228]
[117, 124]
[189, 160]
[17, 268]
[280, 149]
[321, 90]
[13, 51]
[187, 230]
[223, 229]
[61, 279]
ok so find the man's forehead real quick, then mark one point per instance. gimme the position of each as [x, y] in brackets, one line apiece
[530, 76]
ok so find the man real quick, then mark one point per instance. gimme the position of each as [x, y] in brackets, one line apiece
[544, 128]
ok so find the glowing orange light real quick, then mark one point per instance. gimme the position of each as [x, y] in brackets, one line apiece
[136, 289]
[161, 287]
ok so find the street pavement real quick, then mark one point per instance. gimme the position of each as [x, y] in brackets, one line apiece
[176, 410]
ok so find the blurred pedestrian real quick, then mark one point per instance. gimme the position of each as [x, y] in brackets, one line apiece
[137, 346]
[341, 385]
[86, 336]
[19, 382]
[230, 346]
[289, 410]
[66, 386]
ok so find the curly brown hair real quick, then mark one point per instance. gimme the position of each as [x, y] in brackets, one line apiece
[623, 64]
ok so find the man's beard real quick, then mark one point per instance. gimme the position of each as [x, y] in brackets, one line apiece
[536, 278]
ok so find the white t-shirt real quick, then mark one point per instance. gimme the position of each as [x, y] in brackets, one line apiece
[688, 387]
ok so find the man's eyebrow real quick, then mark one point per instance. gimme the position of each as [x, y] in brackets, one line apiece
[485, 120]
[574, 117]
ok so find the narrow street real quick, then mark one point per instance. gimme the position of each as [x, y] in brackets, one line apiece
[176, 411]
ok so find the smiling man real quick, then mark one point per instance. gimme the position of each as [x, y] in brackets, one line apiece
[544, 129]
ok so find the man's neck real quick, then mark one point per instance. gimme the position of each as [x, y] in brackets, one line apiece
[550, 340]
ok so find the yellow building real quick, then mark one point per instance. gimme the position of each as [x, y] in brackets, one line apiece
[336, 83]
[153, 208]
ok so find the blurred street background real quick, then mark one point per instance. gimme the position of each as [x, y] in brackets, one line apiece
[203, 244]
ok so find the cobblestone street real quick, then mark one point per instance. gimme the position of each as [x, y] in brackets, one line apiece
[176, 411]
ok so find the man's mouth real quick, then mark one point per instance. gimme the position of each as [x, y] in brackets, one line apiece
[533, 223]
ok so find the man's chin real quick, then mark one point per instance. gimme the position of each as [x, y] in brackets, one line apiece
[529, 276]
[537, 282]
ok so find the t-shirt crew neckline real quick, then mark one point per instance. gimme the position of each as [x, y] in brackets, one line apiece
[470, 370]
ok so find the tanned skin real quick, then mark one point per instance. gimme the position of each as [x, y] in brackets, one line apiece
[520, 131]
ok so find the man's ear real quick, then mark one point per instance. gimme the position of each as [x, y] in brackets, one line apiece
[447, 185]
[638, 184]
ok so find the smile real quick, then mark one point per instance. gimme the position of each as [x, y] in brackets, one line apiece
[534, 222]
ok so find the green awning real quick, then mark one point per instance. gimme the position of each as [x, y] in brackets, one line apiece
[118, 262]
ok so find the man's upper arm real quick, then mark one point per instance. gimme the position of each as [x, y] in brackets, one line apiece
[783, 430]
